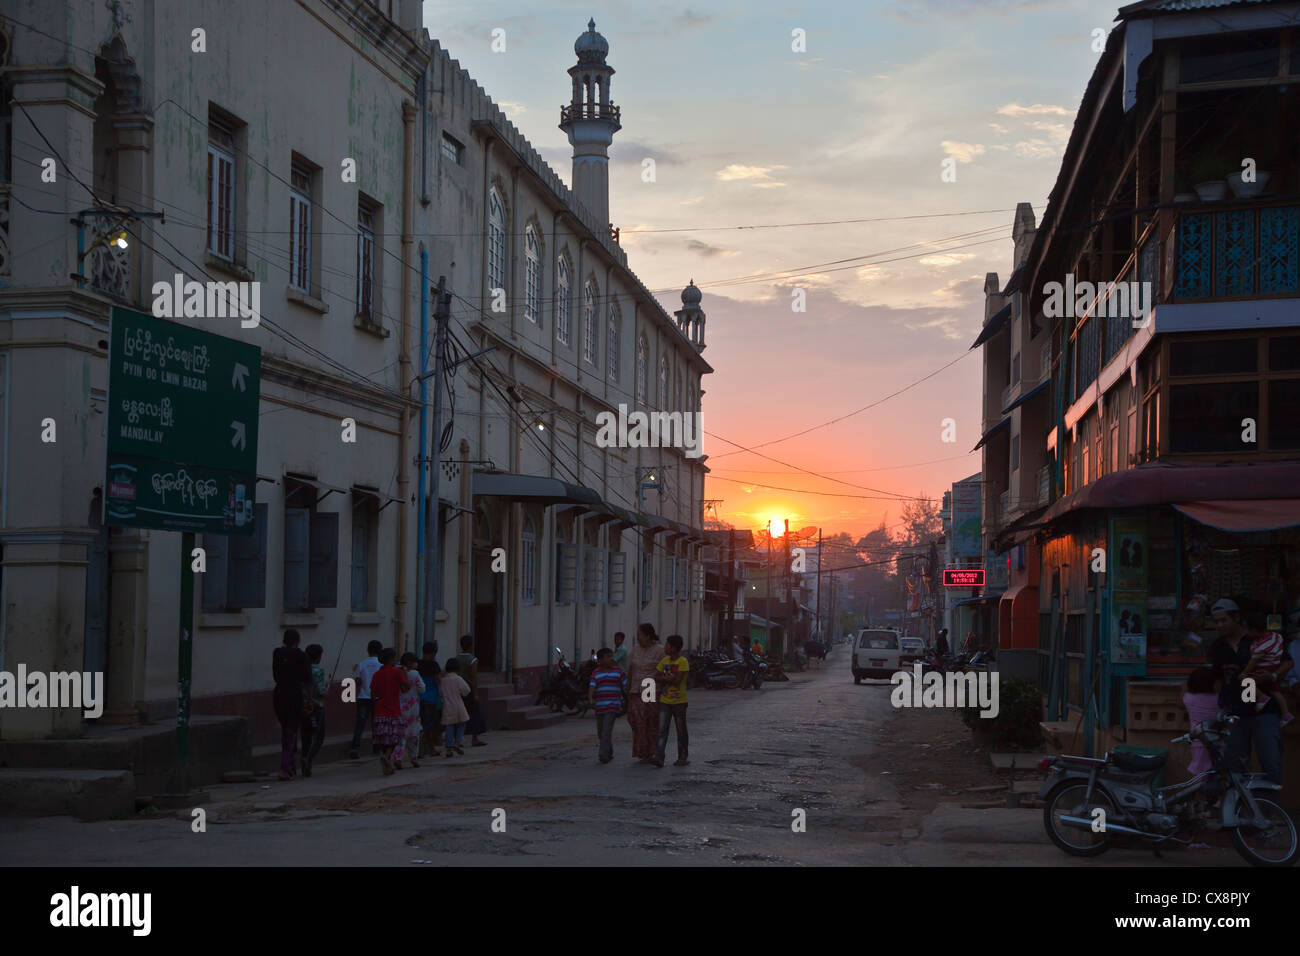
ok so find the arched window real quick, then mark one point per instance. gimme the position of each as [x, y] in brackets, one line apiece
[532, 274]
[612, 345]
[663, 383]
[496, 271]
[589, 322]
[562, 303]
[528, 563]
[642, 360]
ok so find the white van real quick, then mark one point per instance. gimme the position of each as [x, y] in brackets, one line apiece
[876, 652]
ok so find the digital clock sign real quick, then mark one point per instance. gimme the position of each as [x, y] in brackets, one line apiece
[963, 577]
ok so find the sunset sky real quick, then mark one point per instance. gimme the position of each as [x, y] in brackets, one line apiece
[745, 132]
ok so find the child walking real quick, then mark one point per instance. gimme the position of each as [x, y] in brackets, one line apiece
[605, 692]
[313, 718]
[1202, 703]
[410, 704]
[430, 700]
[386, 691]
[454, 713]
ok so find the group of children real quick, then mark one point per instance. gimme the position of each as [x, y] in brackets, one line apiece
[409, 698]
[608, 689]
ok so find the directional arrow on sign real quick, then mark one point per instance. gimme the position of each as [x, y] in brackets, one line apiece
[237, 376]
[238, 438]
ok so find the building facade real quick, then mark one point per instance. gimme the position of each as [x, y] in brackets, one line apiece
[398, 157]
[1164, 277]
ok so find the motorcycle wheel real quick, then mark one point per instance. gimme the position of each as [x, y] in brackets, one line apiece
[1067, 799]
[1276, 845]
[744, 680]
[758, 681]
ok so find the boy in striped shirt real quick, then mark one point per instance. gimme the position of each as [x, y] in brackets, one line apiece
[605, 693]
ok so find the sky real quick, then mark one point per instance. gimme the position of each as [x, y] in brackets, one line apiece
[746, 131]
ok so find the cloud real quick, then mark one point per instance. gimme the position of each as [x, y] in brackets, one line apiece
[945, 258]
[962, 152]
[999, 128]
[1038, 109]
[691, 201]
[806, 64]
[511, 109]
[1035, 149]
[634, 151]
[873, 273]
[1056, 132]
[755, 174]
[688, 18]
[709, 251]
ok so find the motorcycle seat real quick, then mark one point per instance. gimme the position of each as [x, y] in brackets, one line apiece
[1138, 763]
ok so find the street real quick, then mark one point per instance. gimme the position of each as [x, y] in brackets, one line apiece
[875, 794]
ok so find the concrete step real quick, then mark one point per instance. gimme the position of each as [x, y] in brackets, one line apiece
[497, 710]
[55, 791]
[495, 691]
[532, 718]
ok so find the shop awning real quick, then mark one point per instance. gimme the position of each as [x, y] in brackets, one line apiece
[978, 600]
[535, 488]
[1167, 483]
[1246, 514]
[1005, 423]
[1026, 396]
[1013, 284]
[993, 326]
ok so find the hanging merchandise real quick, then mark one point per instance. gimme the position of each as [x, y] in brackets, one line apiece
[1225, 572]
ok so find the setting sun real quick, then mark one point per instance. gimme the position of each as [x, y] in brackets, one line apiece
[776, 527]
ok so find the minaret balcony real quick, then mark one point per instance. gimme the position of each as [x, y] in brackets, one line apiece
[590, 111]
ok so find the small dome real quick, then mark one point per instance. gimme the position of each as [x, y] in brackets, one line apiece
[591, 47]
[691, 294]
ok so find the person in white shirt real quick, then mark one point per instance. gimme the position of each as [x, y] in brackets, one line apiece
[365, 707]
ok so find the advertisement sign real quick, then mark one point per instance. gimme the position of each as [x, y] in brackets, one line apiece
[1127, 563]
[967, 513]
[1128, 643]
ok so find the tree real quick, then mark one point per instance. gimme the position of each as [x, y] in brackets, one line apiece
[922, 522]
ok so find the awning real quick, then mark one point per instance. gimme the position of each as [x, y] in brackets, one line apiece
[1018, 618]
[1246, 514]
[316, 483]
[535, 488]
[1013, 284]
[1005, 423]
[1026, 396]
[993, 326]
[362, 491]
[1167, 483]
[977, 600]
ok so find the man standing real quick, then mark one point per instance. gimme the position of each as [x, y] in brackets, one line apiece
[620, 652]
[941, 644]
[365, 706]
[672, 672]
[292, 675]
[1230, 659]
[605, 694]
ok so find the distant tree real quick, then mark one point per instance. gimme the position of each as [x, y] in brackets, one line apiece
[921, 522]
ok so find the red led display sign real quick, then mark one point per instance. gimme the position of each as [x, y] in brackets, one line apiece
[963, 577]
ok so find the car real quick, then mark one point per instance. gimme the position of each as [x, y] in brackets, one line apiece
[911, 649]
[876, 653]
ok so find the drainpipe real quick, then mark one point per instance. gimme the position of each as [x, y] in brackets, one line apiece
[404, 365]
[422, 505]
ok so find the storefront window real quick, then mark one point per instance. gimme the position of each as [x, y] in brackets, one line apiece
[1207, 416]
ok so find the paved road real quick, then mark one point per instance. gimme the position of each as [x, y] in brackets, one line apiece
[755, 758]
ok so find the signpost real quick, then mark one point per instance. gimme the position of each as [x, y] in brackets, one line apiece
[963, 577]
[182, 452]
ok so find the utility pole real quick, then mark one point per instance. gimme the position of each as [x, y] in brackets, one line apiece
[821, 631]
[730, 616]
[433, 562]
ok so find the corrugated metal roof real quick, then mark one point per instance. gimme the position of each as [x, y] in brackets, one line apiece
[1170, 6]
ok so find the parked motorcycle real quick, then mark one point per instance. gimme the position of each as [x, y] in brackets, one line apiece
[565, 689]
[1091, 802]
[754, 672]
[715, 669]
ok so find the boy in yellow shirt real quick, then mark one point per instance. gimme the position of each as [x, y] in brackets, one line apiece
[672, 672]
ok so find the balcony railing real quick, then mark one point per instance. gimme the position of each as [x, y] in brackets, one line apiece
[1237, 251]
[585, 111]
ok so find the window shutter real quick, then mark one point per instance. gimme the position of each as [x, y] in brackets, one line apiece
[324, 550]
[683, 579]
[214, 578]
[296, 528]
[592, 574]
[247, 559]
[697, 593]
[670, 577]
[360, 557]
[617, 577]
[566, 573]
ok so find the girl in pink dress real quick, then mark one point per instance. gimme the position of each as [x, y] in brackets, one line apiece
[1202, 703]
[410, 704]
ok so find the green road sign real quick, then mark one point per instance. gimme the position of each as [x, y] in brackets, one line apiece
[182, 427]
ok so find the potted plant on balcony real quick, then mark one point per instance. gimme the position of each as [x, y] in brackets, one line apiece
[1207, 166]
[1265, 157]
